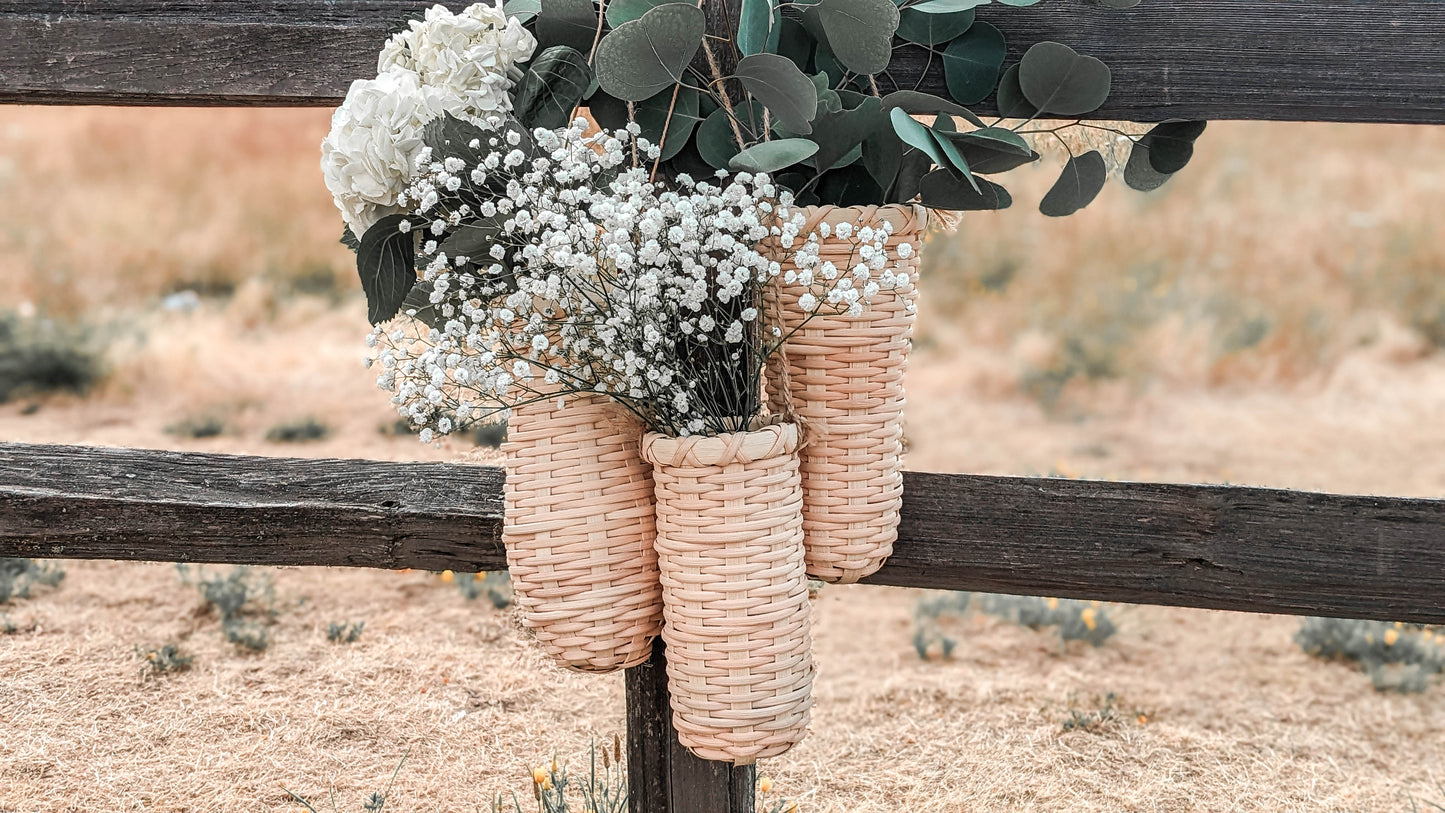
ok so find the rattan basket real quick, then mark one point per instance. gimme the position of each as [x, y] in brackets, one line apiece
[735, 595]
[845, 377]
[579, 533]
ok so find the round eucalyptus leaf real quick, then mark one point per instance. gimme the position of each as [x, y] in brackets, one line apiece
[1139, 173]
[523, 10]
[987, 156]
[716, 141]
[783, 89]
[971, 63]
[883, 152]
[940, 189]
[625, 11]
[911, 168]
[553, 86]
[947, 6]
[931, 29]
[566, 22]
[1011, 101]
[1171, 144]
[1078, 185]
[794, 42]
[639, 59]
[771, 156]
[1001, 139]
[849, 185]
[1057, 79]
[756, 22]
[860, 32]
[839, 135]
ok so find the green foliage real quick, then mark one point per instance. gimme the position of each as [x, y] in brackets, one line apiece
[386, 262]
[1396, 657]
[164, 660]
[300, 430]
[601, 788]
[496, 586]
[245, 600]
[553, 86]
[1075, 620]
[204, 425]
[19, 576]
[339, 632]
[41, 356]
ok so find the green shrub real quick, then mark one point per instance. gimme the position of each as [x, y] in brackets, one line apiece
[1396, 657]
[246, 602]
[375, 803]
[198, 426]
[298, 431]
[39, 356]
[18, 576]
[339, 632]
[164, 660]
[1075, 620]
[490, 435]
[496, 586]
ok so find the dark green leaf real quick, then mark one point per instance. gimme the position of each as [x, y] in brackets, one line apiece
[794, 42]
[651, 115]
[841, 133]
[917, 135]
[1139, 173]
[971, 63]
[566, 22]
[1011, 101]
[915, 164]
[998, 138]
[849, 186]
[348, 238]
[986, 156]
[883, 152]
[783, 89]
[625, 11]
[926, 104]
[1171, 144]
[386, 262]
[940, 189]
[756, 20]
[931, 29]
[417, 302]
[860, 32]
[947, 6]
[473, 239]
[954, 158]
[1056, 79]
[1081, 181]
[523, 10]
[639, 59]
[771, 156]
[716, 141]
[553, 86]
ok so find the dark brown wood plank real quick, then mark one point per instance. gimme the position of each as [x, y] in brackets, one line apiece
[662, 776]
[1325, 60]
[97, 503]
[1220, 547]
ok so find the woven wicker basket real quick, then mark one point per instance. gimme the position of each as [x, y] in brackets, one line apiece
[845, 377]
[579, 533]
[730, 548]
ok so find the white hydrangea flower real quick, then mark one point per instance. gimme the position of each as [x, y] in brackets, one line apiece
[464, 61]
[368, 157]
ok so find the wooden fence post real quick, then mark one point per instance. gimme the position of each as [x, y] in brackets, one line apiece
[662, 776]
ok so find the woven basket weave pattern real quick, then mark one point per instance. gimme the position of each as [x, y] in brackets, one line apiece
[579, 533]
[845, 376]
[730, 549]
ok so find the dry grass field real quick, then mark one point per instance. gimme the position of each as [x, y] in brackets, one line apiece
[1274, 316]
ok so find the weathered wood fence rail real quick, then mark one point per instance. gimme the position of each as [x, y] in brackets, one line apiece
[1218, 547]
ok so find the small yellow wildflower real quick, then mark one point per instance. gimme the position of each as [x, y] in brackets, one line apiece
[1391, 636]
[765, 785]
[1087, 616]
[447, 575]
[539, 776]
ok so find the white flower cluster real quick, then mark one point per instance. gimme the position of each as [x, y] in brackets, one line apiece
[462, 64]
[555, 268]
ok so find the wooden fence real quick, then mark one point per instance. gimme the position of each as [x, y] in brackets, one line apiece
[1220, 547]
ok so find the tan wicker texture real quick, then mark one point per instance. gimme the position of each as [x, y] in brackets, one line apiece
[579, 533]
[735, 595]
[845, 376]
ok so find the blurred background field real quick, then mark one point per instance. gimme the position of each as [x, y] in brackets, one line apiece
[1275, 315]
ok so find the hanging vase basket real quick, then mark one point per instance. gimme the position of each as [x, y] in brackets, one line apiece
[730, 550]
[579, 533]
[844, 375]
